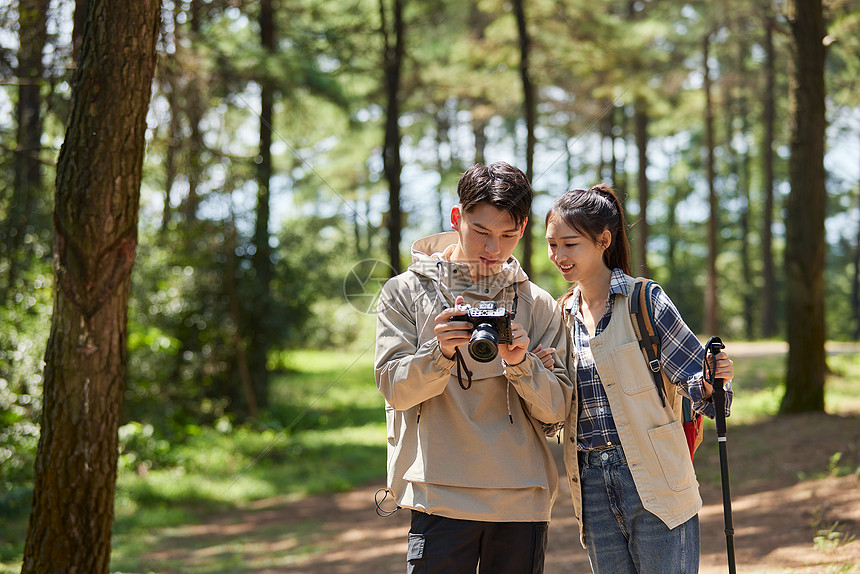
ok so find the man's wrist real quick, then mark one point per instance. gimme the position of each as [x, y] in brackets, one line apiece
[438, 355]
[519, 364]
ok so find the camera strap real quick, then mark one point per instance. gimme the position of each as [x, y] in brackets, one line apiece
[461, 361]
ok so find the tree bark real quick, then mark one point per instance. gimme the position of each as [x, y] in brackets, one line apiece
[855, 282]
[95, 223]
[170, 78]
[32, 36]
[262, 258]
[478, 127]
[641, 123]
[613, 159]
[711, 311]
[195, 108]
[443, 124]
[743, 179]
[82, 10]
[530, 111]
[805, 246]
[768, 299]
[236, 314]
[393, 54]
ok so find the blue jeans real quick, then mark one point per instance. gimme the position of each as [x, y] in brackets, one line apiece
[620, 535]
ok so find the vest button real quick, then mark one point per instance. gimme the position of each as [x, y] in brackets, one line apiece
[604, 457]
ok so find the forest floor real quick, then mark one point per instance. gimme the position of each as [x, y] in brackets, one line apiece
[795, 484]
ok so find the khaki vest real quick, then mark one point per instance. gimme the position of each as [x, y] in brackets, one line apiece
[652, 436]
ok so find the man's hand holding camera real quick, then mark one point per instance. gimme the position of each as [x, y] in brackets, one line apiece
[453, 330]
[452, 334]
[515, 352]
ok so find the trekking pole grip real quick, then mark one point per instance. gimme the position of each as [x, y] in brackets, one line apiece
[715, 345]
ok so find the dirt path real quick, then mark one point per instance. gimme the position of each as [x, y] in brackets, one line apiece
[788, 488]
[776, 515]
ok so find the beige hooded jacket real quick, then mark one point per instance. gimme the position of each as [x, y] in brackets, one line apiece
[478, 453]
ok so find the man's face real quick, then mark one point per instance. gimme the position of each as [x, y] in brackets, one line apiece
[488, 237]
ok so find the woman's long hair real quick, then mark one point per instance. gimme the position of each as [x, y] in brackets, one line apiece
[590, 212]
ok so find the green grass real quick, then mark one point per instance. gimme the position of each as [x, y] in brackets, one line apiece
[328, 436]
[325, 432]
[759, 385]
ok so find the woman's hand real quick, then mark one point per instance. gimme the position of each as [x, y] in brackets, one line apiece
[725, 370]
[545, 356]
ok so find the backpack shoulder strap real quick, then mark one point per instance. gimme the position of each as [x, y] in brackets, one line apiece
[642, 317]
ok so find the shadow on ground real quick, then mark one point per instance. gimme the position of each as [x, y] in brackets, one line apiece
[787, 486]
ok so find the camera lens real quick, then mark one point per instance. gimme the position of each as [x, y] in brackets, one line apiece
[484, 343]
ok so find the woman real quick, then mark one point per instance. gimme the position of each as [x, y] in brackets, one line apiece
[634, 488]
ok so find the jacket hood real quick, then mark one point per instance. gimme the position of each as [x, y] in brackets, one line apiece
[429, 251]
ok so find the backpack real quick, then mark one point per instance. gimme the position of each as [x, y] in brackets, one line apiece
[642, 317]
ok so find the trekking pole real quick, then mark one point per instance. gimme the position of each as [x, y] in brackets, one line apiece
[715, 344]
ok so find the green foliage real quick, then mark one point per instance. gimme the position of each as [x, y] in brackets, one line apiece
[326, 433]
[185, 409]
[182, 328]
[23, 336]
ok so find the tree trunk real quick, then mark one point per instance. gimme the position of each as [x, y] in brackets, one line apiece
[768, 299]
[96, 211]
[530, 110]
[607, 143]
[641, 122]
[621, 184]
[743, 169]
[613, 160]
[171, 79]
[173, 134]
[170, 154]
[805, 247]
[195, 108]
[679, 191]
[32, 35]
[442, 141]
[393, 54]
[478, 127]
[236, 314]
[568, 164]
[82, 10]
[855, 281]
[711, 320]
[260, 332]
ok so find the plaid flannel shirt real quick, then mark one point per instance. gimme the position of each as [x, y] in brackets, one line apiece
[681, 357]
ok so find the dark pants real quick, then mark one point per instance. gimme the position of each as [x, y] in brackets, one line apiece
[440, 545]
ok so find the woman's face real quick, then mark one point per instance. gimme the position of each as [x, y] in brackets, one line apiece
[576, 256]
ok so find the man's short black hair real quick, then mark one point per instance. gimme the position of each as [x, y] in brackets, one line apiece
[501, 185]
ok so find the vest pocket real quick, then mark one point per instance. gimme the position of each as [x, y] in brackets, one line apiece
[628, 360]
[674, 456]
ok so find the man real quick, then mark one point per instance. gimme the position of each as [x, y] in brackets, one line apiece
[467, 451]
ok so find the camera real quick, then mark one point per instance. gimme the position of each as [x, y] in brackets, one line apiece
[492, 326]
